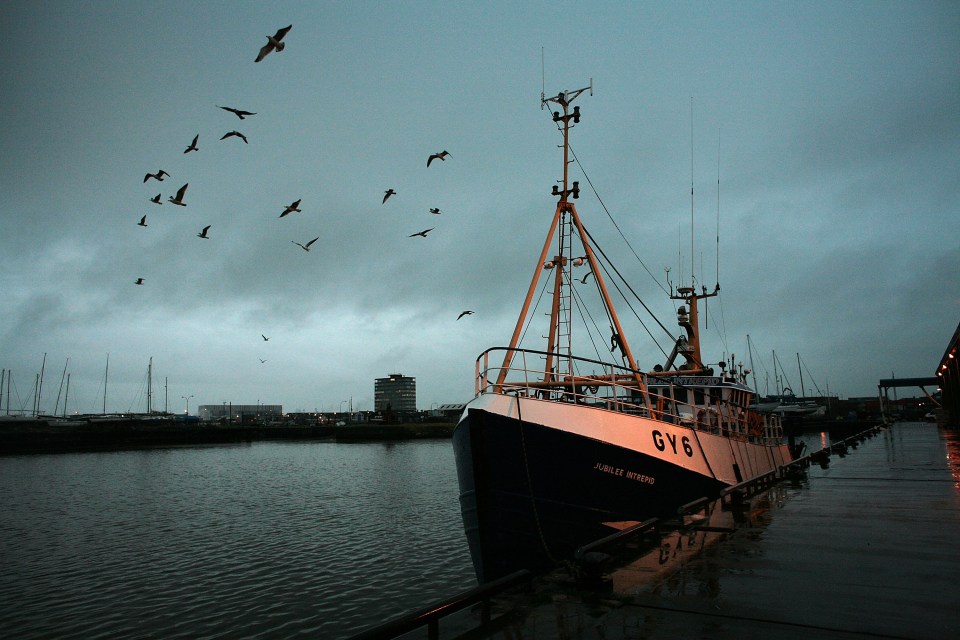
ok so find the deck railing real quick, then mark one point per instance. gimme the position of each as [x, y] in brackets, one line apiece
[620, 389]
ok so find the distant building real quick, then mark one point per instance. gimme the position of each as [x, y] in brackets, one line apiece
[397, 392]
[239, 412]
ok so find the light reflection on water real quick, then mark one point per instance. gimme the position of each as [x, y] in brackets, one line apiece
[261, 540]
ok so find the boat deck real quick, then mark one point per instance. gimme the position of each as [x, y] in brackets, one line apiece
[865, 548]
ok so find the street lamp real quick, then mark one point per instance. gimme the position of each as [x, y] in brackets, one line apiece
[187, 398]
[341, 406]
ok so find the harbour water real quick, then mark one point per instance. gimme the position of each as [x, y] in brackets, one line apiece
[263, 540]
[326, 539]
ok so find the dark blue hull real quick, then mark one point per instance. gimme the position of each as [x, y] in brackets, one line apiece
[531, 495]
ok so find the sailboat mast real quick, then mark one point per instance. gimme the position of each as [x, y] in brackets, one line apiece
[752, 370]
[150, 385]
[66, 396]
[106, 373]
[803, 392]
[40, 384]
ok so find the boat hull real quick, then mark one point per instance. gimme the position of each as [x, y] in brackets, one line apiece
[533, 491]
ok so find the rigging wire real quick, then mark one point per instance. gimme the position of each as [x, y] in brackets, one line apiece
[607, 211]
[810, 374]
[584, 315]
[533, 312]
[607, 260]
[604, 265]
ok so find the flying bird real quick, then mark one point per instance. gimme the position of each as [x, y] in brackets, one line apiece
[464, 313]
[435, 210]
[240, 113]
[387, 194]
[265, 338]
[236, 134]
[143, 222]
[306, 247]
[293, 207]
[273, 43]
[421, 233]
[156, 199]
[178, 199]
[442, 156]
[203, 234]
[261, 360]
[193, 145]
[156, 176]
[138, 281]
[584, 279]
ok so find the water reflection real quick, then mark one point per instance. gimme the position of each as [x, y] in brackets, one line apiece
[951, 443]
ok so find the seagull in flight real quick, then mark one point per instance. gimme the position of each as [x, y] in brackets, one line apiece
[236, 134]
[435, 211]
[138, 281]
[306, 247]
[156, 199]
[421, 233]
[143, 222]
[193, 145]
[156, 176]
[465, 313]
[442, 156]
[265, 338]
[240, 113]
[203, 234]
[387, 194]
[293, 207]
[273, 43]
[584, 279]
[178, 199]
[261, 360]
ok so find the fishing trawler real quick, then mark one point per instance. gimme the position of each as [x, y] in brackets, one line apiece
[557, 450]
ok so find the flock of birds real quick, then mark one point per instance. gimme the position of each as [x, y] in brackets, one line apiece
[274, 43]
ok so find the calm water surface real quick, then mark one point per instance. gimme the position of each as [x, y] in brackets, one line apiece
[267, 540]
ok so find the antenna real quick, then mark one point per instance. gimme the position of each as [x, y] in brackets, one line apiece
[718, 222]
[543, 82]
[691, 194]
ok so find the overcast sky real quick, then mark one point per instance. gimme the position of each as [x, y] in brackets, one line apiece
[834, 128]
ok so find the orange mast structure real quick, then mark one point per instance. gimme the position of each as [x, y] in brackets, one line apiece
[565, 218]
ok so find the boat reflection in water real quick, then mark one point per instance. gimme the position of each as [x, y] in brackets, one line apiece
[557, 450]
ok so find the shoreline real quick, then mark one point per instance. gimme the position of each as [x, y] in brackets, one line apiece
[39, 435]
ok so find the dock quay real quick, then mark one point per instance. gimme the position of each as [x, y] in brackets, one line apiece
[855, 540]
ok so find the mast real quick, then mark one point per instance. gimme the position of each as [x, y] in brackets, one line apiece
[803, 392]
[40, 384]
[62, 378]
[66, 396]
[106, 371]
[559, 360]
[150, 385]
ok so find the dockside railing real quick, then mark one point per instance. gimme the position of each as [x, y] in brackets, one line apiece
[430, 616]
